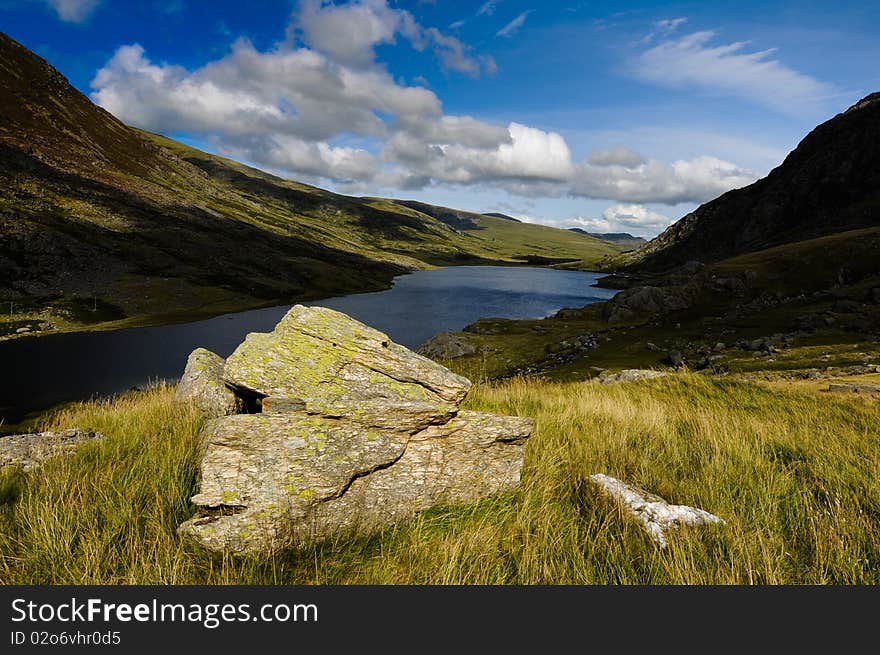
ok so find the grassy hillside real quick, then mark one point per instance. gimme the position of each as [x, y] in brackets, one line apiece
[103, 225]
[790, 469]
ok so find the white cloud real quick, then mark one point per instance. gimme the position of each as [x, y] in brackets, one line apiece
[636, 219]
[690, 61]
[487, 8]
[349, 33]
[73, 11]
[619, 156]
[333, 113]
[298, 92]
[514, 26]
[695, 180]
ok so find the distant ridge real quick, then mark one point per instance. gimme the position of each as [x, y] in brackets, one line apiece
[620, 238]
[504, 216]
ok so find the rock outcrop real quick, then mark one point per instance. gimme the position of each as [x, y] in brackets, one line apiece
[655, 514]
[643, 302]
[447, 345]
[30, 450]
[355, 433]
[202, 384]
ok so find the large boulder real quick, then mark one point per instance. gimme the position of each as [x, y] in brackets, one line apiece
[202, 384]
[447, 345]
[273, 480]
[335, 363]
[30, 450]
[355, 432]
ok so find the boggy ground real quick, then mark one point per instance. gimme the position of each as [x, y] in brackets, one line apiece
[792, 470]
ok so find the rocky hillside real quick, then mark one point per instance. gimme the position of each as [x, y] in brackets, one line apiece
[102, 222]
[829, 184]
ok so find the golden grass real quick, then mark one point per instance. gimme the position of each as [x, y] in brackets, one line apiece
[793, 472]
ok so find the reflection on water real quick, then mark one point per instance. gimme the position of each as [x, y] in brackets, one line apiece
[41, 372]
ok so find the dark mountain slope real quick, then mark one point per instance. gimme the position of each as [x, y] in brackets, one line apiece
[830, 183]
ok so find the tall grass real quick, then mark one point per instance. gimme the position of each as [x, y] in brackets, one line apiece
[793, 472]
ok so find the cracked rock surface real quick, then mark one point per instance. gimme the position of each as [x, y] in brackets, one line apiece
[30, 450]
[356, 433]
[202, 384]
[655, 514]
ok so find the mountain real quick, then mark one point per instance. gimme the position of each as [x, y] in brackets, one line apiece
[621, 238]
[104, 223]
[827, 185]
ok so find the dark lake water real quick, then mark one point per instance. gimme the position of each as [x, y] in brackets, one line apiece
[36, 373]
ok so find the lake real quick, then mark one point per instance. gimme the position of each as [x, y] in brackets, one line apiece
[36, 373]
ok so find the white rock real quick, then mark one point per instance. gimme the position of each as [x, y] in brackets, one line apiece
[630, 375]
[655, 514]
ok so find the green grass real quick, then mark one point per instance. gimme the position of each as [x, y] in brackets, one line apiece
[791, 470]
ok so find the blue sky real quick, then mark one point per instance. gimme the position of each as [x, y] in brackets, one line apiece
[609, 116]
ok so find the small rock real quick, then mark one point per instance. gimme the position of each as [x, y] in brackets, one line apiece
[719, 347]
[655, 514]
[447, 345]
[31, 450]
[22, 330]
[854, 387]
[675, 359]
[630, 375]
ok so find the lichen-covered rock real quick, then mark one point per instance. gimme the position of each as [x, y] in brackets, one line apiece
[30, 450]
[202, 384]
[655, 514]
[330, 360]
[447, 345]
[630, 375]
[271, 480]
[473, 456]
[355, 432]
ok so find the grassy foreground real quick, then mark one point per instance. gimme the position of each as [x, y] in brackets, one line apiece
[793, 472]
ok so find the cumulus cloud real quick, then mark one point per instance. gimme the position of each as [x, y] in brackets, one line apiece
[513, 26]
[618, 156]
[349, 34]
[298, 92]
[73, 11]
[690, 61]
[297, 110]
[695, 180]
[636, 219]
[328, 28]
